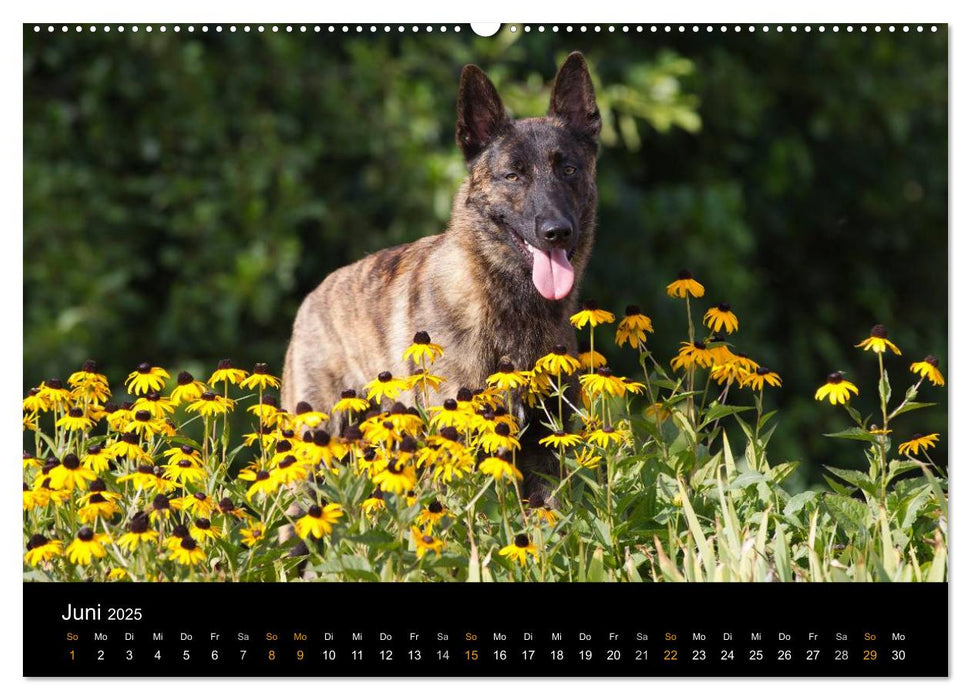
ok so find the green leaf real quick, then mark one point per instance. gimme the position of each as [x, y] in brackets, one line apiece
[746, 479]
[595, 572]
[798, 502]
[856, 478]
[718, 411]
[885, 388]
[854, 434]
[914, 406]
[849, 514]
[781, 472]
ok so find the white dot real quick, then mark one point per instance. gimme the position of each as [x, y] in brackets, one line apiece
[192, 29]
[219, 28]
[920, 28]
[232, 28]
[877, 28]
[178, 29]
[457, 29]
[259, 28]
[778, 29]
[360, 29]
[428, 28]
[836, 29]
[934, 28]
[822, 28]
[569, 29]
[92, 28]
[77, 28]
[626, 28]
[792, 28]
[597, 28]
[121, 29]
[164, 29]
[891, 28]
[850, 28]
[107, 28]
[303, 29]
[512, 29]
[246, 28]
[275, 28]
[527, 29]
[541, 28]
[317, 28]
[134, 29]
[610, 28]
[906, 28]
[863, 28]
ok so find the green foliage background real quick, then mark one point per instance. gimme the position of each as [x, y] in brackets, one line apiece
[183, 192]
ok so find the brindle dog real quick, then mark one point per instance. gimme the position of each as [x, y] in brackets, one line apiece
[500, 282]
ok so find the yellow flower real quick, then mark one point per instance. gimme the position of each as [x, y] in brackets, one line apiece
[148, 478]
[759, 378]
[225, 372]
[203, 530]
[836, 389]
[163, 507]
[424, 381]
[116, 574]
[730, 372]
[35, 402]
[156, 404]
[498, 467]
[877, 342]
[198, 505]
[603, 381]
[499, 438]
[210, 404]
[421, 348]
[919, 442]
[927, 368]
[606, 436]
[41, 549]
[560, 439]
[139, 531]
[88, 383]
[96, 505]
[350, 403]
[542, 511]
[518, 550]
[591, 359]
[75, 421]
[87, 546]
[633, 328]
[451, 415]
[432, 514]
[425, 542]
[252, 534]
[373, 504]
[184, 472]
[693, 355]
[260, 378]
[591, 316]
[54, 395]
[188, 389]
[69, 474]
[397, 477]
[145, 379]
[144, 425]
[721, 316]
[587, 458]
[685, 285]
[507, 378]
[187, 552]
[318, 521]
[385, 386]
[558, 362]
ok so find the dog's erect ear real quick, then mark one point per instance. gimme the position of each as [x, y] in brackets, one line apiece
[573, 99]
[481, 116]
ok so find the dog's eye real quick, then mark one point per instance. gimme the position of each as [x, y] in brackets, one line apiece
[512, 177]
[569, 170]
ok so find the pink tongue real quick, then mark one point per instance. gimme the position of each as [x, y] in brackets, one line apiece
[552, 273]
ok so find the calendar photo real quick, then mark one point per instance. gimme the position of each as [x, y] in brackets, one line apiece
[372, 312]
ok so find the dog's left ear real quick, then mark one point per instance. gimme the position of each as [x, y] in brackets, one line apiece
[573, 99]
[481, 116]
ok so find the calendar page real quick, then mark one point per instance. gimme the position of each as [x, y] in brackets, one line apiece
[534, 350]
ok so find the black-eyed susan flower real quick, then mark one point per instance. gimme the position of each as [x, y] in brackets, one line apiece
[41, 549]
[35, 403]
[759, 378]
[54, 394]
[520, 547]
[144, 424]
[203, 530]
[290, 470]
[507, 378]
[591, 359]
[431, 514]
[919, 442]
[146, 378]
[350, 403]
[633, 328]
[499, 438]
[149, 477]
[188, 552]
[385, 387]
[591, 315]
[558, 362]
[422, 349]
[449, 415]
[425, 381]
[425, 542]
[397, 477]
[96, 505]
[228, 373]
[877, 342]
[720, 352]
[587, 458]
[319, 520]
[211, 404]
[163, 508]
[538, 508]
[89, 384]
[35, 499]
[729, 373]
[198, 505]
[227, 507]
[118, 416]
[260, 378]
[928, 369]
[692, 355]
[721, 317]
[69, 474]
[266, 410]
[184, 472]
[87, 545]
[187, 390]
[684, 285]
[252, 534]
[499, 467]
[159, 406]
[606, 436]
[373, 503]
[75, 421]
[603, 381]
[116, 573]
[836, 389]
[560, 439]
[96, 459]
[138, 531]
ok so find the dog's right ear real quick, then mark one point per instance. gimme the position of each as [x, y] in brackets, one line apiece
[481, 115]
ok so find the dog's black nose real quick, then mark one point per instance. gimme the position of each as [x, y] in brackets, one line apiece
[555, 230]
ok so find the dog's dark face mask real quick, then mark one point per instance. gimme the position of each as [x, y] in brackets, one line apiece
[533, 181]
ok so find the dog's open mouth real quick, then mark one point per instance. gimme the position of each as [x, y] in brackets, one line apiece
[552, 271]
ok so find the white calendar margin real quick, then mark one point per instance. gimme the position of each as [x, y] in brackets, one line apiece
[540, 12]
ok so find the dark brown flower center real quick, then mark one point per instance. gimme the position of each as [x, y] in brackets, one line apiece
[384, 377]
[421, 338]
[632, 310]
[521, 541]
[835, 377]
[724, 306]
[261, 368]
[75, 412]
[144, 368]
[185, 378]
[225, 364]
[85, 534]
[559, 350]
[878, 331]
[348, 394]
[203, 523]
[536, 501]
[931, 360]
[427, 539]
[684, 275]
[36, 541]
[89, 366]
